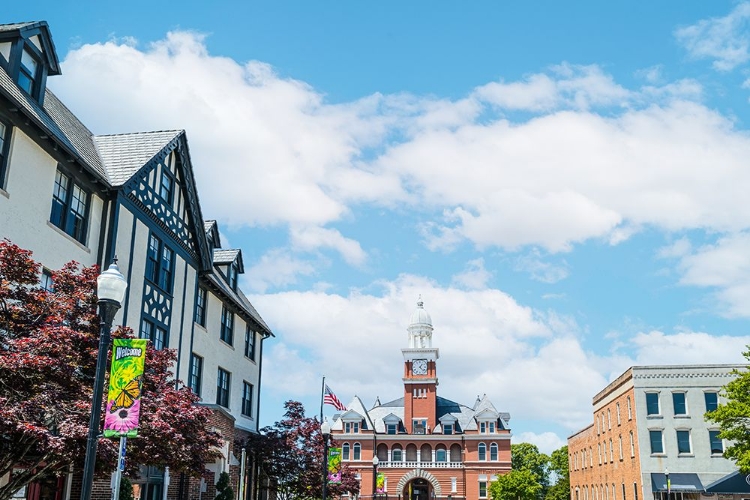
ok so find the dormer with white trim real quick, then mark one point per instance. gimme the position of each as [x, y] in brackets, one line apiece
[28, 55]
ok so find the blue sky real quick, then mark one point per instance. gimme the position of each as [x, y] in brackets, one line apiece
[563, 183]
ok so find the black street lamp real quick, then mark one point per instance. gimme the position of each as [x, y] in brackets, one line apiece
[375, 462]
[110, 289]
[669, 485]
[325, 430]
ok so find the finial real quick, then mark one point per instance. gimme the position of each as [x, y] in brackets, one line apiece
[419, 301]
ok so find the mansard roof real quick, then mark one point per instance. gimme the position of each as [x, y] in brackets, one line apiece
[462, 414]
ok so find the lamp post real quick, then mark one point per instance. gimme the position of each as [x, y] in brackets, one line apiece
[375, 462]
[325, 430]
[110, 289]
[669, 485]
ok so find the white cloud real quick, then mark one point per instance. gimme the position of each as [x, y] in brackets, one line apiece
[312, 237]
[723, 39]
[547, 442]
[474, 276]
[658, 348]
[540, 270]
[276, 268]
[654, 157]
[723, 266]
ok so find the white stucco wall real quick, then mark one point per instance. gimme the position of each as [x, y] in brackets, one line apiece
[25, 206]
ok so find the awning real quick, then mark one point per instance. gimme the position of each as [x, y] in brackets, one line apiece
[736, 482]
[681, 482]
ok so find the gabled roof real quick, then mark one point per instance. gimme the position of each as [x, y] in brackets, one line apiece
[211, 228]
[222, 257]
[123, 155]
[32, 28]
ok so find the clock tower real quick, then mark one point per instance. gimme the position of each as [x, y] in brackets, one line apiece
[420, 374]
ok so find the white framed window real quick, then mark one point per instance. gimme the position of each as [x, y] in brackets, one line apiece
[632, 445]
[679, 403]
[617, 409]
[630, 409]
[652, 403]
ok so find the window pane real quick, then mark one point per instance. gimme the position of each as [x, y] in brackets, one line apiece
[152, 263]
[196, 373]
[712, 400]
[683, 441]
[717, 446]
[680, 408]
[652, 403]
[482, 451]
[656, 442]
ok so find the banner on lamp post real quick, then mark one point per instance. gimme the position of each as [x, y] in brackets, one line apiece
[334, 465]
[125, 380]
[380, 483]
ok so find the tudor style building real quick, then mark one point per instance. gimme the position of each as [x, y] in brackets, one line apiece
[426, 447]
[648, 423]
[67, 194]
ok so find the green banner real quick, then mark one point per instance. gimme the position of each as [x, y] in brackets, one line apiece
[334, 465]
[125, 379]
[380, 483]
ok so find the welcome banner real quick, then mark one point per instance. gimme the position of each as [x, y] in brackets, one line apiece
[380, 483]
[124, 396]
[334, 466]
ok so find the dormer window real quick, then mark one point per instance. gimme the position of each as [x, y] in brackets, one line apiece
[27, 75]
[391, 428]
[233, 276]
[351, 427]
[448, 429]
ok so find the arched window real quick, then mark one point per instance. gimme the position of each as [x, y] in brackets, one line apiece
[441, 454]
[357, 451]
[425, 453]
[345, 451]
[482, 451]
[455, 453]
[411, 453]
[396, 454]
[493, 452]
[630, 410]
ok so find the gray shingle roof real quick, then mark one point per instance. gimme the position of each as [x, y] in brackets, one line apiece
[463, 414]
[225, 256]
[124, 154]
[238, 298]
[57, 120]
[18, 26]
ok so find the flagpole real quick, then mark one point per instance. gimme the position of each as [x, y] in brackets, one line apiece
[322, 395]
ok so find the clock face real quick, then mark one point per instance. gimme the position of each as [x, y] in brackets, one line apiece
[419, 366]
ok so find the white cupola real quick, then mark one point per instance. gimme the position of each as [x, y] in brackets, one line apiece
[420, 327]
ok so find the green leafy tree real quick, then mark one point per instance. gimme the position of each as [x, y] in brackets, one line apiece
[48, 348]
[526, 456]
[126, 489]
[733, 417]
[558, 466]
[521, 484]
[223, 489]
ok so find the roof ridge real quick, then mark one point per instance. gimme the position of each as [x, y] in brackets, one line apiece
[141, 133]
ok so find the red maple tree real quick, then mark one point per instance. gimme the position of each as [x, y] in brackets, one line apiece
[289, 456]
[48, 348]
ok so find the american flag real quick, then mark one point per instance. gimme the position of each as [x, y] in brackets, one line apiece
[330, 398]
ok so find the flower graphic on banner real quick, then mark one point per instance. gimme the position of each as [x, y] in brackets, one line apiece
[122, 420]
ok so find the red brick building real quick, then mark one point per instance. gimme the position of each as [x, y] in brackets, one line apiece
[427, 447]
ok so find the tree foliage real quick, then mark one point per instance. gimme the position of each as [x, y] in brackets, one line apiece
[289, 455]
[526, 456]
[223, 488]
[520, 484]
[558, 466]
[733, 417]
[48, 348]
